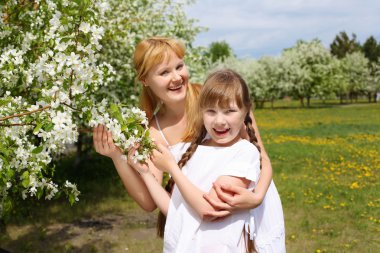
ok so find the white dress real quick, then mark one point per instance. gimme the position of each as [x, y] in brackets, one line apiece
[266, 222]
[185, 232]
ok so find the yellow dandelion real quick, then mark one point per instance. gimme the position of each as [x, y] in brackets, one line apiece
[354, 185]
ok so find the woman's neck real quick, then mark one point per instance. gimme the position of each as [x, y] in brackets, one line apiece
[175, 112]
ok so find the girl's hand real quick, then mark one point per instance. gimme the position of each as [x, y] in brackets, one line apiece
[139, 167]
[234, 197]
[104, 144]
[162, 158]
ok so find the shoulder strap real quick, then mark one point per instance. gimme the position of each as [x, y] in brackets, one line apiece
[159, 128]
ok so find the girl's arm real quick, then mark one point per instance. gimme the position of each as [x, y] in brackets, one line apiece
[163, 160]
[242, 198]
[160, 196]
[132, 181]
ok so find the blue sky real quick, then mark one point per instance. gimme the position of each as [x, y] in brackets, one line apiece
[254, 28]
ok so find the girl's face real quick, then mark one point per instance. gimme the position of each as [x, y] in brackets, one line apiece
[168, 80]
[224, 124]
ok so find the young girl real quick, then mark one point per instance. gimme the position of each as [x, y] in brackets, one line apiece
[217, 154]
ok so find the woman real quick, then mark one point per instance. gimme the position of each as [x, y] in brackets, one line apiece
[166, 89]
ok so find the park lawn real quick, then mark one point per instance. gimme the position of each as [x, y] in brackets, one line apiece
[326, 162]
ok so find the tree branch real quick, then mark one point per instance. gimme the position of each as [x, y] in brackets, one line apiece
[25, 113]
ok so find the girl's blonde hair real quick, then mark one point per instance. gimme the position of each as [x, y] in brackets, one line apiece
[149, 53]
[220, 89]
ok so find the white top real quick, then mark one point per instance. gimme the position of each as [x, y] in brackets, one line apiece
[185, 232]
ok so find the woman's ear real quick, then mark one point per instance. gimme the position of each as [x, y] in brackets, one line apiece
[144, 83]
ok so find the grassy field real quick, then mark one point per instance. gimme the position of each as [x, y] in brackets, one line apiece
[326, 161]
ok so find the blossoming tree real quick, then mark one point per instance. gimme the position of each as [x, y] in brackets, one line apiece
[66, 66]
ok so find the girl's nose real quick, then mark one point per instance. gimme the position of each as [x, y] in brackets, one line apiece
[219, 119]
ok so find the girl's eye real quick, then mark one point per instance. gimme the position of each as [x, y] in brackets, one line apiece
[231, 110]
[180, 66]
[164, 73]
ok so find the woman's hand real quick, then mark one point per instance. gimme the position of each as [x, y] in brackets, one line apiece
[162, 158]
[104, 144]
[234, 197]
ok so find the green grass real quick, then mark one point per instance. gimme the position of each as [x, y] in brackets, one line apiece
[326, 162]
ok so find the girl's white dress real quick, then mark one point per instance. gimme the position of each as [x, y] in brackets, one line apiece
[185, 232]
[266, 222]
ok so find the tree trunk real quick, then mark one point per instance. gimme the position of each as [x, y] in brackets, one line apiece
[3, 227]
[272, 103]
[302, 103]
[78, 156]
[308, 101]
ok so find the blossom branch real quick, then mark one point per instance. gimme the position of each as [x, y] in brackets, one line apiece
[25, 113]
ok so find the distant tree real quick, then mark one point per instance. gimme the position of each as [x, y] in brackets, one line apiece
[371, 49]
[343, 45]
[357, 75]
[219, 50]
[309, 71]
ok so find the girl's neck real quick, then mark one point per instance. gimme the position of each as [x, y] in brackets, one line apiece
[212, 143]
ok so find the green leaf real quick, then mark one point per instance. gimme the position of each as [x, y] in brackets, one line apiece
[38, 150]
[25, 182]
[116, 113]
[37, 128]
[40, 192]
[48, 126]
[71, 199]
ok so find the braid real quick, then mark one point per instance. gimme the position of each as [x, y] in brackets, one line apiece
[251, 133]
[161, 220]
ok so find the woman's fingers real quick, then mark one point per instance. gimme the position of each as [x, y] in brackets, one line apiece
[216, 215]
[226, 197]
[105, 139]
[216, 204]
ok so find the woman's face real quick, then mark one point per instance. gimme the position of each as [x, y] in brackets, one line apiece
[224, 124]
[169, 79]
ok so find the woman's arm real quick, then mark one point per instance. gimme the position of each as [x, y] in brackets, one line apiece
[266, 168]
[132, 181]
[163, 160]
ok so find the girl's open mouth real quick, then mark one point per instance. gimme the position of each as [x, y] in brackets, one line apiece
[221, 132]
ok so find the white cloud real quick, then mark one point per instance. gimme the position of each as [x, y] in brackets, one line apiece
[256, 28]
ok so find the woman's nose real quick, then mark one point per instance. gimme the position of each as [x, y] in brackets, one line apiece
[176, 76]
